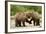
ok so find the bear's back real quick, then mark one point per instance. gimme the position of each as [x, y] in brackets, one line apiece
[20, 16]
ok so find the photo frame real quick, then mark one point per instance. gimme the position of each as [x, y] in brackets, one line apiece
[10, 6]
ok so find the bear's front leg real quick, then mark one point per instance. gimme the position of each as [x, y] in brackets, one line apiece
[19, 24]
[24, 24]
[34, 22]
[37, 23]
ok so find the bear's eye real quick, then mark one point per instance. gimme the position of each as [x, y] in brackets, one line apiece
[28, 16]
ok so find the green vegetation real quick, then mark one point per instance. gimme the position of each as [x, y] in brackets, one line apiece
[24, 8]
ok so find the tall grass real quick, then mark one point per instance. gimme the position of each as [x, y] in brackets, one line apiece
[23, 8]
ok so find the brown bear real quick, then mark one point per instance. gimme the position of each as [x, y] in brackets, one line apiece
[29, 16]
[20, 18]
[35, 18]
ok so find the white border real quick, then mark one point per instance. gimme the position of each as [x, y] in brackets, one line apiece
[27, 29]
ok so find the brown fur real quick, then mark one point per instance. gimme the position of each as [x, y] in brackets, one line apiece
[20, 18]
[35, 18]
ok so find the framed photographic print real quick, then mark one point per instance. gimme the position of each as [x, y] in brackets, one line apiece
[23, 16]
